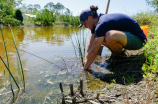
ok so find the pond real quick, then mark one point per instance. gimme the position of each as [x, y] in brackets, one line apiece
[48, 57]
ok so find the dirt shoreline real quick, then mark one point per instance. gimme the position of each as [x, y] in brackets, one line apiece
[128, 88]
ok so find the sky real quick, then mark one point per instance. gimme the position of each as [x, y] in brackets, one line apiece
[129, 7]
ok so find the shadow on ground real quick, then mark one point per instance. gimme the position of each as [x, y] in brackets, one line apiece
[126, 71]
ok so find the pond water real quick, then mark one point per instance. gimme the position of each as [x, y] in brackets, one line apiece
[48, 58]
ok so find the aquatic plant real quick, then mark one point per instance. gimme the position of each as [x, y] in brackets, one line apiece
[8, 65]
[18, 58]
[78, 41]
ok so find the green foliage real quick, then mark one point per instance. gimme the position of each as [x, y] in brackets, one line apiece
[7, 8]
[51, 15]
[58, 7]
[151, 48]
[45, 18]
[153, 3]
[129, 79]
[30, 8]
[111, 85]
[7, 12]
[145, 18]
[49, 18]
[10, 20]
[18, 15]
[49, 6]
[69, 20]
[37, 6]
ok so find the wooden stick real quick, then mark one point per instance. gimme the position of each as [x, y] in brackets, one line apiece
[98, 94]
[63, 99]
[61, 88]
[71, 90]
[62, 92]
[107, 7]
[106, 12]
[74, 100]
[81, 87]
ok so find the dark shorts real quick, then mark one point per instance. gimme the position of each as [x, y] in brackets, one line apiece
[133, 42]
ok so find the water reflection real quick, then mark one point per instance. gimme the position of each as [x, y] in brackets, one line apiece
[52, 35]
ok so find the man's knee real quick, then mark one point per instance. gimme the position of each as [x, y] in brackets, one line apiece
[114, 36]
[110, 36]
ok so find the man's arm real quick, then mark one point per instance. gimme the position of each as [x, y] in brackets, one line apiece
[90, 42]
[91, 55]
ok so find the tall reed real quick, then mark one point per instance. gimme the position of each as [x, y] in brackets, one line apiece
[18, 57]
[9, 72]
[8, 67]
[78, 41]
[5, 51]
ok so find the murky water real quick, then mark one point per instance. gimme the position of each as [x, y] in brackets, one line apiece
[48, 58]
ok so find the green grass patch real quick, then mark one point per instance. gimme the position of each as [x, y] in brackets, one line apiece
[151, 48]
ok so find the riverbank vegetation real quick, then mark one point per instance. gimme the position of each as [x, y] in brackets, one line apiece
[151, 48]
[52, 14]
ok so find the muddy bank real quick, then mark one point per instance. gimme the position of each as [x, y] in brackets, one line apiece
[143, 92]
[126, 84]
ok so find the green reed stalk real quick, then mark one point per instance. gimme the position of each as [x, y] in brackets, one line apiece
[6, 52]
[18, 64]
[79, 49]
[81, 44]
[8, 63]
[16, 97]
[4, 70]
[18, 57]
[12, 91]
[10, 73]
[8, 68]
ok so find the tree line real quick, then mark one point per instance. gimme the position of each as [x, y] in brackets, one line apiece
[52, 14]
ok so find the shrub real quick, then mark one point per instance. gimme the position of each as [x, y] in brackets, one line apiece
[18, 15]
[10, 20]
[145, 18]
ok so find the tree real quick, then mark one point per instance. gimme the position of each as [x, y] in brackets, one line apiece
[30, 7]
[153, 3]
[17, 2]
[58, 7]
[37, 7]
[18, 15]
[67, 12]
[46, 17]
[7, 15]
[49, 6]
[7, 7]
[23, 8]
